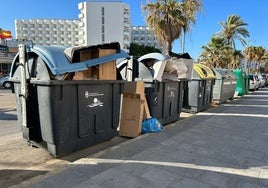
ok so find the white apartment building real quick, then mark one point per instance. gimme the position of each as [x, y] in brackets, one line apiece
[143, 36]
[99, 22]
[104, 22]
[48, 31]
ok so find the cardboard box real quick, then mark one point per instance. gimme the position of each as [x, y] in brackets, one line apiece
[138, 88]
[146, 113]
[131, 115]
[134, 87]
[83, 75]
[105, 71]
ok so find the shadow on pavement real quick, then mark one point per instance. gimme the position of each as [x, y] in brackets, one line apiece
[10, 177]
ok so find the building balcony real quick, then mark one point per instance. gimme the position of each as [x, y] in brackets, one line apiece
[81, 15]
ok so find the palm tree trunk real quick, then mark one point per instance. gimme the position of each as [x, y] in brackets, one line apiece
[183, 41]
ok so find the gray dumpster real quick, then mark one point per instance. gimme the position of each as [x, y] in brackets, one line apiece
[225, 85]
[57, 112]
[164, 97]
[198, 92]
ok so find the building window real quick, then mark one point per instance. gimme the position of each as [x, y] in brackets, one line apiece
[102, 11]
[102, 25]
[102, 37]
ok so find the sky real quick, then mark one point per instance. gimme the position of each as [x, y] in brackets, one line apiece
[254, 13]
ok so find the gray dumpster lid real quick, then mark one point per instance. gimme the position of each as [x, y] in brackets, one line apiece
[154, 55]
[145, 73]
[61, 59]
[224, 73]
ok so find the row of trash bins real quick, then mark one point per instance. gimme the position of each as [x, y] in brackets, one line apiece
[63, 114]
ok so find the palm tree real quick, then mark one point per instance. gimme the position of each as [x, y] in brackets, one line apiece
[234, 28]
[256, 54]
[236, 58]
[260, 56]
[166, 18]
[216, 54]
[249, 54]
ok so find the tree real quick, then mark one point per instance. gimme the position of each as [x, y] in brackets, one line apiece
[168, 18]
[236, 58]
[257, 54]
[216, 54]
[137, 50]
[234, 28]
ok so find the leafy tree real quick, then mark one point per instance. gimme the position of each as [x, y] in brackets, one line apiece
[137, 50]
[233, 28]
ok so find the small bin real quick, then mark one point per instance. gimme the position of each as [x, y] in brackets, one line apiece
[65, 115]
[198, 92]
[225, 85]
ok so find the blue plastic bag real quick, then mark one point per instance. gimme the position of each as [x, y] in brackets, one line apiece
[151, 125]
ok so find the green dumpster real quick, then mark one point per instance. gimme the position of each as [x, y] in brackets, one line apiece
[242, 82]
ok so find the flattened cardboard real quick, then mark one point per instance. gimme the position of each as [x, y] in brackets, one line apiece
[131, 115]
[105, 71]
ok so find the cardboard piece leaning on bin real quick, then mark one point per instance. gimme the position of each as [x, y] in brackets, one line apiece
[131, 115]
[138, 87]
[134, 109]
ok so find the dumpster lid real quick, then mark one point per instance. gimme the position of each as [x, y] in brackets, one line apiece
[154, 55]
[204, 71]
[224, 73]
[178, 55]
[59, 59]
[151, 66]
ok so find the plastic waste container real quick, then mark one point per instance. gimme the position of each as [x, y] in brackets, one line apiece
[198, 92]
[163, 97]
[59, 113]
[164, 78]
[225, 85]
[242, 82]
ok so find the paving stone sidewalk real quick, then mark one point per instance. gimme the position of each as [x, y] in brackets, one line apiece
[223, 147]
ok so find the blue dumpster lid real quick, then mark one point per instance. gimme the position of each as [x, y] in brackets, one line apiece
[60, 62]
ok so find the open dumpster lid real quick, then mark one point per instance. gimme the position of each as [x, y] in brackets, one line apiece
[62, 59]
[154, 55]
[204, 71]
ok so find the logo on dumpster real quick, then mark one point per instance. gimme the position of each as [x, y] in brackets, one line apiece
[171, 88]
[96, 102]
[172, 94]
[87, 94]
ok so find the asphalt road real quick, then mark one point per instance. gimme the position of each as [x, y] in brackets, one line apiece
[8, 114]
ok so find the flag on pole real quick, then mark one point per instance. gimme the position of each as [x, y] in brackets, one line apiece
[5, 34]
